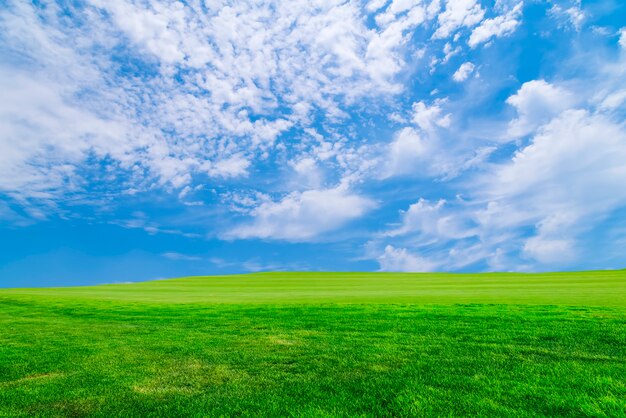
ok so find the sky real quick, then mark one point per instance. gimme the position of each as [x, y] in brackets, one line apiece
[150, 139]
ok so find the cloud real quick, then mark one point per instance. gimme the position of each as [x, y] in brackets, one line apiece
[165, 92]
[575, 160]
[429, 117]
[274, 119]
[421, 218]
[407, 152]
[549, 251]
[400, 259]
[180, 257]
[302, 216]
[613, 100]
[565, 182]
[447, 232]
[457, 14]
[622, 38]
[44, 136]
[429, 146]
[499, 26]
[542, 208]
[234, 166]
[553, 243]
[450, 52]
[537, 102]
[374, 5]
[463, 72]
[308, 174]
[573, 16]
[432, 222]
[163, 95]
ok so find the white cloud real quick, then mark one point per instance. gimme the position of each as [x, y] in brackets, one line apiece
[235, 166]
[44, 136]
[302, 216]
[553, 242]
[374, 5]
[566, 181]
[536, 103]
[432, 222]
[576, 160]
[457, 14]
[497, 27]
[537, 210]
[622, 38]
[213, 92]
[613, 100]
[449, 52]
[180, 257]
[400, 259]
[407, 153]
[573, 16]
[157, 29]
[419, 149]
[208, 98]
[549, 251]
[159, 95]
[421, 218]
[249, 45]
[308, 174]
[463, 72]
[428, 117]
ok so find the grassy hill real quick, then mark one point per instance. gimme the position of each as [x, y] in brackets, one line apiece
[319, 344]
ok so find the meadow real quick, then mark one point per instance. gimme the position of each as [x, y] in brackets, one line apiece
[319, 345]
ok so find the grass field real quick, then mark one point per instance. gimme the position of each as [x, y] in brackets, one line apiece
[319, 344]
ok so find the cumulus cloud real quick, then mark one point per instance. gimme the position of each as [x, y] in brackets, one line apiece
[308, 173]
[549, 251]
[235, 166]
[575, 160]
[400, 259]
[429, 117]
[428, 146]
[432, 222]
[302, 216]
[536, 209]
[450, 52]
[499, 26]
[565, 181]
[536, 102]
[463, 72]
[553, 242]
[622, 38]
[446, 231]
[457, 14]
[407, 151]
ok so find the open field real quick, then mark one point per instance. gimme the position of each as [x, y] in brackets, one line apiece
[319, 344]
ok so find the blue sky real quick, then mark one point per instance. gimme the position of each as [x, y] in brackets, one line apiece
[150, 139]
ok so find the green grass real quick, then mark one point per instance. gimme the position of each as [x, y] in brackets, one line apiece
[319, 344]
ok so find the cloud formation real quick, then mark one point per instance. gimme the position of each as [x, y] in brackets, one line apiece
[428, 135]
[303, 216]
[498, 26]
[463, 72]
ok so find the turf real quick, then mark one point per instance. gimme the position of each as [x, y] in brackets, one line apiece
[319, 344]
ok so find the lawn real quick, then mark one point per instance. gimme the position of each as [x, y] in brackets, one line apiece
[319, 344]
